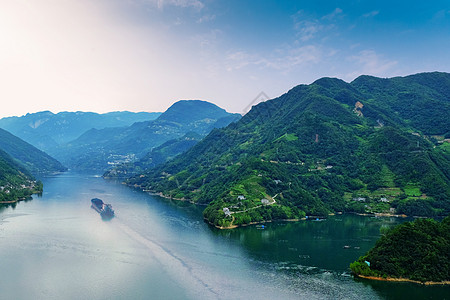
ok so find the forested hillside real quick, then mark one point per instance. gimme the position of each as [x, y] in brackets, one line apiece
[32, 158]
[373, 145]
[16, 183]
[418, 250]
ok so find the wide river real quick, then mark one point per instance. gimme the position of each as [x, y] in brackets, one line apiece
[57, 247]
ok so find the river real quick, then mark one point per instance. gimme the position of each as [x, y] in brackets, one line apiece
[56, 247]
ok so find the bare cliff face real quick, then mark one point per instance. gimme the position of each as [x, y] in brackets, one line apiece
[358, 109]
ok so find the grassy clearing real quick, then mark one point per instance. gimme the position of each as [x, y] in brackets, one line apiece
[445, 147]
[387, 177]
[287, 137]
[251, 189]
[412, 190]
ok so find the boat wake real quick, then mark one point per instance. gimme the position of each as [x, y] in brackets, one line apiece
[176, 267]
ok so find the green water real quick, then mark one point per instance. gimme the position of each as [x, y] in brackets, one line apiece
[57, 247]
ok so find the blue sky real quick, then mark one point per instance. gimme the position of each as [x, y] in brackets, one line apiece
[143, 55]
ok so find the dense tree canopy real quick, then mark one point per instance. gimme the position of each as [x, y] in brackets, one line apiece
[320, 148]
[418, 250]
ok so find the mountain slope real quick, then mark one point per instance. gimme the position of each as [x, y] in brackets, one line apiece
[418, 251]
[46, 130]
[16, 183]
[99, 149]
[155, 157]
[32, 158]
[325, 147]
[403, 97]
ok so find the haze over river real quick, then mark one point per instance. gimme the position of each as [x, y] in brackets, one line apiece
[57, 247]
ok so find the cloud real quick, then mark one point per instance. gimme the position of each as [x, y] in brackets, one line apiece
[336, 12]
[371, 14]
[308, 27]
[303, 55]
[368, 62]
[179, 3]
[206, 18]
[441, 15]
[283, 60]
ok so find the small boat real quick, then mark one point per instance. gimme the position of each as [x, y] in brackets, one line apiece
[346, 247]
[105, 210]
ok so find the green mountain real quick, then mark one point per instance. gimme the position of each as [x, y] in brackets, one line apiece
[418, 251]
[16, 183]
[155, 157]
[46, 130]
[320, 148]
[33, 159]
[101, 149]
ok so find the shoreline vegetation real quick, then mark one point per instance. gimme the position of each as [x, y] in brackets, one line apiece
[14, 195]
[252, 223]
[232, 226]
[37, 191]
[412, 251]
[16, 200]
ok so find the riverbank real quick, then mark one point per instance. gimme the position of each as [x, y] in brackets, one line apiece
[232, 226]
[15, 201]
[252, 223]
[391, 279]
[160, 194]
[379, 215]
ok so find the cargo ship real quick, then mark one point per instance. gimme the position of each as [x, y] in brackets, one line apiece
[105, 210]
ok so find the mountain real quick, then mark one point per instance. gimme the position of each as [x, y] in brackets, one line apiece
[46, 130]
[402, 98]
[155, 157]
[16, 183]
[99, 149]
[321, 148]
[33, 159]
[417, 251]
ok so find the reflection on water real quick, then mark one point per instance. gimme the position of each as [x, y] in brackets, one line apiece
[57, 247]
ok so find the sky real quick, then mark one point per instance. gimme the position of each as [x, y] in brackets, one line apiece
[144, 55]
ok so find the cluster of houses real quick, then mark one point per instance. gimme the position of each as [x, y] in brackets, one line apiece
[240, 198]
[226, 211]
[7, 188]
[116, 159]
[363, 199]
[321, 168]
[7, 191]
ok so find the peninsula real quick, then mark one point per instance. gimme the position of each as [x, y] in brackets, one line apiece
[416, 252]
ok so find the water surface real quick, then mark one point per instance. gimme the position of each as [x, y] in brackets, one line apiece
[57, 247]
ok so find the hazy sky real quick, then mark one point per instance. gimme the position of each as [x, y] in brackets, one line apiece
[143, 55]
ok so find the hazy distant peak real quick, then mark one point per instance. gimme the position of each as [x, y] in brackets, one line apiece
[197, 104]
[188, 111]
[44, 113]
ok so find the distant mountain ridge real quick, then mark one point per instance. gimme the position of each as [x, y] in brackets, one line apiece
[372, 145]
[100, 149]
[46, 130]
